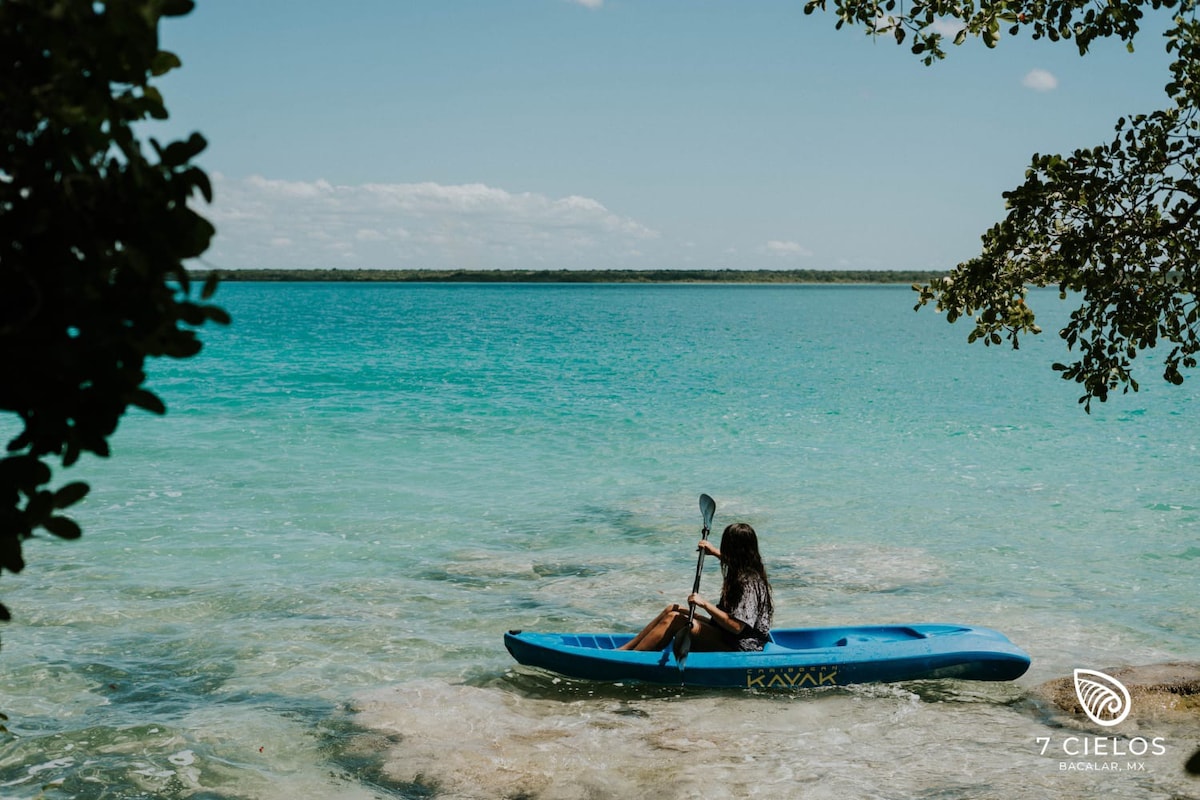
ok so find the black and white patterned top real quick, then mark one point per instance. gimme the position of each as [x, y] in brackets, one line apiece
[753, 611]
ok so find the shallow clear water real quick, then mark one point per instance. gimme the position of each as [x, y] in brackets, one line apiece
[295, 584]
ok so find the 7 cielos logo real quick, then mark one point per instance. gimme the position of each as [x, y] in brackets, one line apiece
[1104, 698]
[1106, 702]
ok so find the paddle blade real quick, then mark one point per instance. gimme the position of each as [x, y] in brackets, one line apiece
[682, 646]
[708, 507]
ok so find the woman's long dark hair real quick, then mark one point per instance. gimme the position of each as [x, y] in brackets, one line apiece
[739, 557]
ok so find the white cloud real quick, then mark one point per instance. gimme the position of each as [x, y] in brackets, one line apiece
[793, 249]
[589, 3]
[1040, 81]
[947, 27]
[264, 222]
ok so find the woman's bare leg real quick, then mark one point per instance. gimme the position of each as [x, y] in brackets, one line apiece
[660, 630]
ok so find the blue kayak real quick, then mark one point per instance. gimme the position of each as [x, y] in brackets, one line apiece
[794, 658]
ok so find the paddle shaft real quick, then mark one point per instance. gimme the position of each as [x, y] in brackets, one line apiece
[707, 507]
[696, 583]
[683, 637]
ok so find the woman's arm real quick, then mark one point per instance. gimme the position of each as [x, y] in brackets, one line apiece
[709, 548]
[719, 617]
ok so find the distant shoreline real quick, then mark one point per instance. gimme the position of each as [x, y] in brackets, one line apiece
[760, 276]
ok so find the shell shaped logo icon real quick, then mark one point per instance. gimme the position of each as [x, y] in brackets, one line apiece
[1104, 698]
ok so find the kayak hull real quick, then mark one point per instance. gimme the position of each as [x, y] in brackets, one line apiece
[795, 658]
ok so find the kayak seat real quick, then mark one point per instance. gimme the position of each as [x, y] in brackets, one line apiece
[846, 641]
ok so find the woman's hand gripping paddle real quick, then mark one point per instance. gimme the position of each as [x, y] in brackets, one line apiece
[683, 639]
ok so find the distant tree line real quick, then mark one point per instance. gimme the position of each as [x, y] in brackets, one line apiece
[584, 276]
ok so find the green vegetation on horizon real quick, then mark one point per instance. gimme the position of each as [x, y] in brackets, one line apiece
[584, 276]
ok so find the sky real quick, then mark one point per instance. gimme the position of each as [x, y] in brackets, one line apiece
[616, 134]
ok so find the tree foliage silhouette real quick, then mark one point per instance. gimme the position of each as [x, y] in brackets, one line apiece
[94, 228]
[1114, 225]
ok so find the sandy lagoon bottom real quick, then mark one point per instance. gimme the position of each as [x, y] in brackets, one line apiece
[531, 735]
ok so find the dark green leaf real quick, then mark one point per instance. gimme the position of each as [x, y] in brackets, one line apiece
[147, 401]
[210, 285]
[176, 154]
[164, 62]
[39, 506]
[63, 527]
[177, 8]
[10, 554]
[218, 315]
[200, 181]
[70, 494]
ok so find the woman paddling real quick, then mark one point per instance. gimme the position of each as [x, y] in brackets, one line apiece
[741, 619]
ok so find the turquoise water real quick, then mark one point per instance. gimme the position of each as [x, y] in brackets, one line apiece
[295, 584]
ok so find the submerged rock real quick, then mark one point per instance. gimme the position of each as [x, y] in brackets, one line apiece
[1158, 692]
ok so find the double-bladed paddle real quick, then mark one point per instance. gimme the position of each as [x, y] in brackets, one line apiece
[683, 639]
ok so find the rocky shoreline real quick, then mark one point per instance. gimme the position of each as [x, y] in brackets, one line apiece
[1160, 694]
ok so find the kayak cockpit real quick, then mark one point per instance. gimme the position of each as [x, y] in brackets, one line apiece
[825, 638]
[595, 641]
[794, 639]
